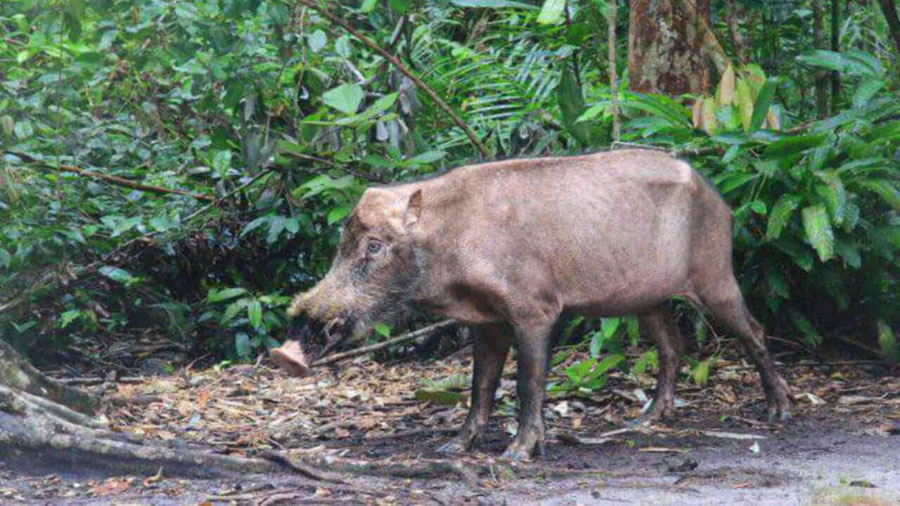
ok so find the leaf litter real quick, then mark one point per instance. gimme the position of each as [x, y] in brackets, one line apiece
[386, 420]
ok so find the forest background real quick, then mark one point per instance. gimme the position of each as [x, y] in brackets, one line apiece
[171, 172]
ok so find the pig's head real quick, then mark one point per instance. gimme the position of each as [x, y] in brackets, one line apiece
[372, 279]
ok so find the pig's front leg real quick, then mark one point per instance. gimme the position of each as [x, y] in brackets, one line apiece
[491, 345]
[532, 348]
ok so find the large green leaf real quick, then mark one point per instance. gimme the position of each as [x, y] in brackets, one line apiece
[345, 98]
[818, 230]
[223, 295]
[885, 189]
[732, 181]
[571, 104]
[427, 157]
[254, 313]
[744, 101]
[242, 345]
[865, 91]
[551, 12]
[117, 274]
[792, 145]
[834, 195]
[762, 104]
[888, 341]
[854, 63]
[781, 213]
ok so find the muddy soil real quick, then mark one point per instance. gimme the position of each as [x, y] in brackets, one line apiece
[841, 447]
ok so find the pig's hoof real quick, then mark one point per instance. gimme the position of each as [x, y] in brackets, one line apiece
[454, 446]
[779, 415]
[779, 403]
[659, 410]
[519, 453]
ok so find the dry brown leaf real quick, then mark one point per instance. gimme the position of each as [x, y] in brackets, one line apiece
[112, 486]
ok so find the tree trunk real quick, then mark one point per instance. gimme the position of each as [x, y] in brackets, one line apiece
[821, 76]
[669, 46]
[889, 9]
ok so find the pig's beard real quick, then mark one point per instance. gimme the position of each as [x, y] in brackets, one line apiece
[393, 314]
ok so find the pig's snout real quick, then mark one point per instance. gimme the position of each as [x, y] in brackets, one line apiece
[290, 357]
[309, 340]
[294, 355]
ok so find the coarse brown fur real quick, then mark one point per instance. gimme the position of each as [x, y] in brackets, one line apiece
[507, 246]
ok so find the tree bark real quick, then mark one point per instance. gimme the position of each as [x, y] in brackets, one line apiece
[889, 9]
[821, 76]
[669, 45]
[16, 373]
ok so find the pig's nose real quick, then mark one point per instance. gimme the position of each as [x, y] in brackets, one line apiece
[335, 326]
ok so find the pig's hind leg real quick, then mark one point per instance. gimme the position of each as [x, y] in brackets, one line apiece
[490, 347]
[670, 346]
[725, 305]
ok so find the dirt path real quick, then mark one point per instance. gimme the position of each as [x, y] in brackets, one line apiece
[842, 447]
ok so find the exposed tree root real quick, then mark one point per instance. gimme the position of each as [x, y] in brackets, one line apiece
[18, 374]
[35, 428]
[44, 421]
[422, 469]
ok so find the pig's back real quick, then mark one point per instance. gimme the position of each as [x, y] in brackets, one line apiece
[611, 230]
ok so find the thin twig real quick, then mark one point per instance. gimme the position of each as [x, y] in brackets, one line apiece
[116, 180]
[409, 336]
[98, 380]
[301, 467]
[228, 195]
[402, 68]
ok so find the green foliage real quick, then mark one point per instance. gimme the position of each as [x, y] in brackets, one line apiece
[586, 376]
[815, 208]
[287, 119]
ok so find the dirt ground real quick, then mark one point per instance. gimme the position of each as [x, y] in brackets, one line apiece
[841, 447]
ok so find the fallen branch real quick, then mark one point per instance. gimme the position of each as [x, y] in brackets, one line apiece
[419, 468]
[312, 4]
[96, 380]
[134, 400]
[301, 467]
[571, 438]
[116, 180]
[730, 435]
[409, 336]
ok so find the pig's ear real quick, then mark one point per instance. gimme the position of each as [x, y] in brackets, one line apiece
[413, 209]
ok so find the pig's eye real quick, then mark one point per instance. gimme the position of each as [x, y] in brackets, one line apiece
[373, 247]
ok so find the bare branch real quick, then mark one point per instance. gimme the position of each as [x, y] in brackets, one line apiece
[116, 180]
[409, 336]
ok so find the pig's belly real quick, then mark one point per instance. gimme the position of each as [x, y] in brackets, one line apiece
[609, 292]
